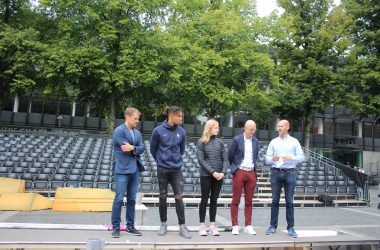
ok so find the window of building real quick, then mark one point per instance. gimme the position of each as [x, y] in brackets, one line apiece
[367, 129]
[50, 107]
[37, 106]
[343, 127]
[8, 104]
[80, 109]
[329, 126]
[23, 104]
[377, 131]
[296, 125]
[64, 108]
[355, 128]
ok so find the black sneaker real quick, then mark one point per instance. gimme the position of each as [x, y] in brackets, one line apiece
[133, 231]
[116, 233]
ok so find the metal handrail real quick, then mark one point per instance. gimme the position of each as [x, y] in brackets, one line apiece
[363, 193]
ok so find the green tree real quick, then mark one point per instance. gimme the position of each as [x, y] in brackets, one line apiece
[215, 58]
[102, 49]
[311, 44]
[20, 49]
[363, 69]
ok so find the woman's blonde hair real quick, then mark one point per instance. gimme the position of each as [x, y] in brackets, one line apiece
[207, 130]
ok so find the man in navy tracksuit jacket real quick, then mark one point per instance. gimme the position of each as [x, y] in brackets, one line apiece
[167, 146]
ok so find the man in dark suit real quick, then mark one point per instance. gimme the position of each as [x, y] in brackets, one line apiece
[128, 146]
[242, 155]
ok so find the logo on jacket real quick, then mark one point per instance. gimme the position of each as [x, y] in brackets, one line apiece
[177, 135]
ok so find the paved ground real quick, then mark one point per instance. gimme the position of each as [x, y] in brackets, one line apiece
[360, 221]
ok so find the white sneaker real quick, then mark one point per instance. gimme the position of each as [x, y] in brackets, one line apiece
[235, 230]
[249, 230]
[202, 231]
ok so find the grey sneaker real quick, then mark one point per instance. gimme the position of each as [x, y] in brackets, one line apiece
[184, 232]
[270, 230]
[116, 233]
[163, 229]
[292, 233]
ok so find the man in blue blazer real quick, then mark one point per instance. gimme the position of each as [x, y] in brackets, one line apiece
[128, 146]
[242, 156]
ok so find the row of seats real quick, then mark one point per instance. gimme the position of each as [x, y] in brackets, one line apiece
[50, 120]
[325, 187]
[320, 178]
[91, 179]
[51, 161]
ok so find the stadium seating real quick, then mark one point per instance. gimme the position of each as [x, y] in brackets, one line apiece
[47, 161]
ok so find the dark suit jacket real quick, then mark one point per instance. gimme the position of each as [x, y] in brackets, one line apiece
[236, 152]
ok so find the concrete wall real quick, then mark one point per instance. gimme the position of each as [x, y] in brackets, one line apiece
[371, 162]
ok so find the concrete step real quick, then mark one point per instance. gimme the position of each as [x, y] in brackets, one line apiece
[257, 202]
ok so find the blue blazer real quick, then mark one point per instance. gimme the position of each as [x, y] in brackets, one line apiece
[127, 162]
[236, 152]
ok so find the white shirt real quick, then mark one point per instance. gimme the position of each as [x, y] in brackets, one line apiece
[248, 155]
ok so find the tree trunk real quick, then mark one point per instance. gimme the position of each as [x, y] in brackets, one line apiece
[1, 102]
[306, 130]
[112, 113]
[3, 90]
[7, 12]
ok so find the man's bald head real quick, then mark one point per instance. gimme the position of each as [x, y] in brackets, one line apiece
[249, 128]
[285, 122]
[249, 123]
[283, 127]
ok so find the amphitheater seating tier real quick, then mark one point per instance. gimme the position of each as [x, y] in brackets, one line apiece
[48, 161]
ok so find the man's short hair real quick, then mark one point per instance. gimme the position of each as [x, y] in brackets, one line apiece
[172, 109]
[129, 111]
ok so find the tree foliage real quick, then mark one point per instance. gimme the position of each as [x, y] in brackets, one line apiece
[107, 50]
[311, 44]
[209, 57]
[20, 49]
[363, 69]
[217, 58]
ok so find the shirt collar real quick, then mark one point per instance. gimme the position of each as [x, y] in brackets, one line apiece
[247, 139]
[284, 138]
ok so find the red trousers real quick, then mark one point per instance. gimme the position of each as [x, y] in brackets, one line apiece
[247, 180]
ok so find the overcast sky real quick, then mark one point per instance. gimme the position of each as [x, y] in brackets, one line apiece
[265, 7]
